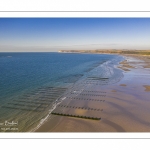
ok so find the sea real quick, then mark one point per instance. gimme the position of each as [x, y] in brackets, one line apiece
[31, 84]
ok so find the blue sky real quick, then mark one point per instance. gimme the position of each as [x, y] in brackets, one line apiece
[53, 34]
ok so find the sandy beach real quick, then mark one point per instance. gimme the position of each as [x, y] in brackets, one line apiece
[122, 106]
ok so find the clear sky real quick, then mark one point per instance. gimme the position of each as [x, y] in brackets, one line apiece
[53, 34]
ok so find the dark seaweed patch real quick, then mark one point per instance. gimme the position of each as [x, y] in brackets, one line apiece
[78, 116]
[75, 98]
[93, 109]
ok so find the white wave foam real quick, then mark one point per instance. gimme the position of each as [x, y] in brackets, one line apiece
[49, 114]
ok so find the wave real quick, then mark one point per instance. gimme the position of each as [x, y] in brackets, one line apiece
[47, 116]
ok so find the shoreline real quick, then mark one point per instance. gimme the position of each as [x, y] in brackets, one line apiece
[126, 106]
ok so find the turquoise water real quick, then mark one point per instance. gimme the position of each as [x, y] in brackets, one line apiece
[31, 82]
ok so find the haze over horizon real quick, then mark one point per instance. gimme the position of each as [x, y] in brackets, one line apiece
[53, 34]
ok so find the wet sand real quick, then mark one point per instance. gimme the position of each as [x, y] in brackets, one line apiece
[123, 106]
[147, 88]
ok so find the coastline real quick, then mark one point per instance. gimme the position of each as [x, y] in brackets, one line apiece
[126, 107]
